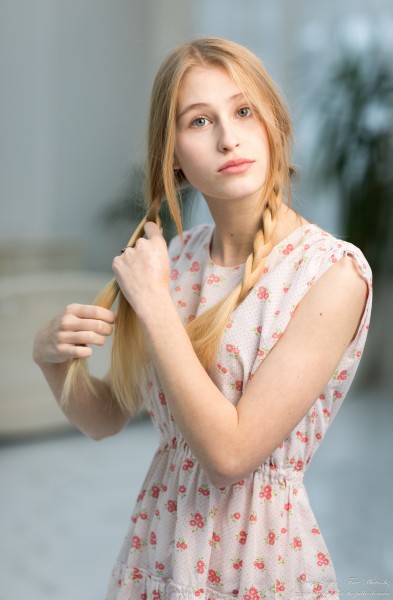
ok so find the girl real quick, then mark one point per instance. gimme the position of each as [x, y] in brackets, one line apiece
[241, 339]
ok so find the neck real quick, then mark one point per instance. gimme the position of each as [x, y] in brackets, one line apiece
[234, 232]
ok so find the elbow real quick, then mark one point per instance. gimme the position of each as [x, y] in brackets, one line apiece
[223, 475]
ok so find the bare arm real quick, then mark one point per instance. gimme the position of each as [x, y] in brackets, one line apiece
[56, 344]
[231, 441]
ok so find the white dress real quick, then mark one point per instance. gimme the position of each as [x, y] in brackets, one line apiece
[257, 538]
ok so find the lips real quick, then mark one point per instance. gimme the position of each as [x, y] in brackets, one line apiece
[232, 164]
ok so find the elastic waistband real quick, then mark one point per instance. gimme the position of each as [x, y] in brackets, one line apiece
[268, 470]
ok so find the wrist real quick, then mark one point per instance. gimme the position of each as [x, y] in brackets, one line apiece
[152, 313]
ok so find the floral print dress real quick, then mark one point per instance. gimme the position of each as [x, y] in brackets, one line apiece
[257, 538]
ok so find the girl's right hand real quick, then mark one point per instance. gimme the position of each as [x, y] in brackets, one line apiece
[66, 336]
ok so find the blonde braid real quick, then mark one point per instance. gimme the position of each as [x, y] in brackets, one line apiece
[206, 330]
[125, 365]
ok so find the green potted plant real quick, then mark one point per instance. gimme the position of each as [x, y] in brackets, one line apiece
[354, 150]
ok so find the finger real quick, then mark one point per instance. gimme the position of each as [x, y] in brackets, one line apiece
[88, 311]
[81, 337]
[70, 322]
[68, 351]
[152, 230]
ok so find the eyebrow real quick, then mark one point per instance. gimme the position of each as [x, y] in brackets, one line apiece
[205, 104]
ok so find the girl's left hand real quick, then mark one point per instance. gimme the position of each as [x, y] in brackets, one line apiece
[143, 272]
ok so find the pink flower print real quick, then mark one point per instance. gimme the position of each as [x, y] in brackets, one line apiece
[182, 489]
[235, 516]
[162, 398]
[322, 559]
[315, 530]
[277, 313]
[333, 259]
[187, 239]
[263, 293]
[181, 544]
[277, 334]
[214, 576]
[296, 543]
[253, 517]
[202, 300]
[204, 490]
[171, 506]
[266, 492]
[136, 542]
[194, 267]
[232, 350]
[199, 592]
[326, 412]
[142, 494]
[157, 513]
[222, 369]
[286, 287]
[181, 303]
[229, 325]
[174, 274]
[177, 288]
[159, 566]
[237, 564]
[242, 537]
[153, 538]
[318, 436]
[200, 567]
[271, 538]
[196, 288]
[136, 574]
[197, 521]
[306, 246]
[302, 577]
[239, 483]
[297, 264]
[322, 397]
[143, 515]
[176, 258]
[213, 279]
[288, 249]
[312, 416]
[259, 563]
[340, 376]
[317, 588]
[337, 395]
[283, 530]
[299, 465]
[288, 507]
[187, 464]
[252, 594]
[189, 255]
[277, 587]
[214, 540]
[302, 437]
[238, 385]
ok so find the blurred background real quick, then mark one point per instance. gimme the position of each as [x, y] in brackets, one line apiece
[75, 80]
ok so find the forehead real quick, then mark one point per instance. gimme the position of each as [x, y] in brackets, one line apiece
[206, 84]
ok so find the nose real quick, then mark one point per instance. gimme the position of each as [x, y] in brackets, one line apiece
[227, 138]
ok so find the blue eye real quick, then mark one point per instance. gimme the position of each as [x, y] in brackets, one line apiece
[199, 122]
[244, 112]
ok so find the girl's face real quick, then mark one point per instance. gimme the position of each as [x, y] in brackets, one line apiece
[221, 147]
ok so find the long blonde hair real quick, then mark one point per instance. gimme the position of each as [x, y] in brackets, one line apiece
[129, 356]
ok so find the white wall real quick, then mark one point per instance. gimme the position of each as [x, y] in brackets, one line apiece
[75, 81]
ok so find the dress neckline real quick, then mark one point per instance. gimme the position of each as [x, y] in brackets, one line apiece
[285, 240]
